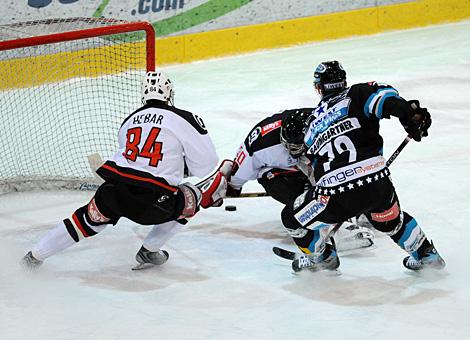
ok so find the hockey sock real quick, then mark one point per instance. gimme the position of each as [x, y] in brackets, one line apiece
[159, 234]
[313, 242]
[85, 222]
[56, 240]
[410, 237]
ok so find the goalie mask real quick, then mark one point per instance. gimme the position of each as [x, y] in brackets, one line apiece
[293, 128]
[157, 86]
[329, 78]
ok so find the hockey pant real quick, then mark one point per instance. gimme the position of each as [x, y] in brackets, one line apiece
[312, 214]
[104, 209]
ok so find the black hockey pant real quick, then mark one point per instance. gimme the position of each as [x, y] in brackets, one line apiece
[311, 213]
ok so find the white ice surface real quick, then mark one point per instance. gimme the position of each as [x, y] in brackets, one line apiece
[222, 280]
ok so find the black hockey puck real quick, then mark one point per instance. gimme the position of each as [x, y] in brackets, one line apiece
[230, 208]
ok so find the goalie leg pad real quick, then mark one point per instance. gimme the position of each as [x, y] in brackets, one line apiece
[352, 237]
[351, 232]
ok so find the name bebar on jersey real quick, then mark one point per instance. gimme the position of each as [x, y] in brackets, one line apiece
[159, 139]
[343, 140]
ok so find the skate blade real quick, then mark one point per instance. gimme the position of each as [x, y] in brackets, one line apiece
[319, 273]
[143, 266]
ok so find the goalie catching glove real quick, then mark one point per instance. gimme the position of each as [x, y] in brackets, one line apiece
[214, 188]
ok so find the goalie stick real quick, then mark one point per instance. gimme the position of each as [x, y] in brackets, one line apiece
[290, 255]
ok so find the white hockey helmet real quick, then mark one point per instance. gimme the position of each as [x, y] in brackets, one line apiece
[158, 86]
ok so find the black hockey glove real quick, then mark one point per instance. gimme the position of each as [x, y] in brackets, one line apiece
[419, 122]
[232, 192]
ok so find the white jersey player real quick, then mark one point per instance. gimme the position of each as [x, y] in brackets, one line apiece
[142, 179]
[282, 170]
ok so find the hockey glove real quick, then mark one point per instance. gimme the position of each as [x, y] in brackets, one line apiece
[419, 122]
[214, 188]
[192, 200]
[232, 192]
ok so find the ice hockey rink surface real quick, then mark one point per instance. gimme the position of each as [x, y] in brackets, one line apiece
[222, 280]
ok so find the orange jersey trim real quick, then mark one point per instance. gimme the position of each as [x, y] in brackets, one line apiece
[79, 225]
[138, 178]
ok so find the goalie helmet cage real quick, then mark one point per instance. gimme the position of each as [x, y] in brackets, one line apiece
[65, 87]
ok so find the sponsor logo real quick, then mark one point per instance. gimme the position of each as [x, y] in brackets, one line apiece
[270, 127]
[254, 135]
[89, 187]
[325, 118]
[354, 171]
[163, 198]
[155, 6]
[44, 3]
[321, 68]
[95, 215]
[388, 215]
[313, 209]
[200, 121]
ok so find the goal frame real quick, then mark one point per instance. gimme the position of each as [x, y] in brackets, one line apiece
[91, 33]
[115, 27]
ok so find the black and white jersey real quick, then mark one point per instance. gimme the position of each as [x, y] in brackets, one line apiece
[262, 151]
[157, 140]
[343, 140]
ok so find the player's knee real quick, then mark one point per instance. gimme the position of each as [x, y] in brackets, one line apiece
[85, 222]
[388, 221]
[104, 205]
[293, 227]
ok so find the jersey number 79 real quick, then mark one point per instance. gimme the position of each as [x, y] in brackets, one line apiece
[151, 149]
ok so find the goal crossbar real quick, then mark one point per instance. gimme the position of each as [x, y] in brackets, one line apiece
[89, 33]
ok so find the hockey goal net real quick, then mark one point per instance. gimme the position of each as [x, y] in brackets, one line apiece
[65, 87]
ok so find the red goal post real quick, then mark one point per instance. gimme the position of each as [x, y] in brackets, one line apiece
[65, 87]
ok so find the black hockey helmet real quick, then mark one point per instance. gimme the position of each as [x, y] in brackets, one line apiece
[329, 77]
[293, 128]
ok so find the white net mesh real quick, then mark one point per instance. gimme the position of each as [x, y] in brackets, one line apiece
[61, 102]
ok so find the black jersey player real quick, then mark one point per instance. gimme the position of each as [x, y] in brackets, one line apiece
[266, 156]
[345, 149]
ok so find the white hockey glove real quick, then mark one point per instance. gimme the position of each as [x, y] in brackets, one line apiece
[214, 188]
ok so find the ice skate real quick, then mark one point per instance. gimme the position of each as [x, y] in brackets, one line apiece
[328, 260]
[30, 262]
[351, 237]
[363, 222]
[147, 258]
[429, 259]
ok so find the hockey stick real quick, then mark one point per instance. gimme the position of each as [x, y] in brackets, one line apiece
[290, 255]
[251, 194]
[398, 150]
